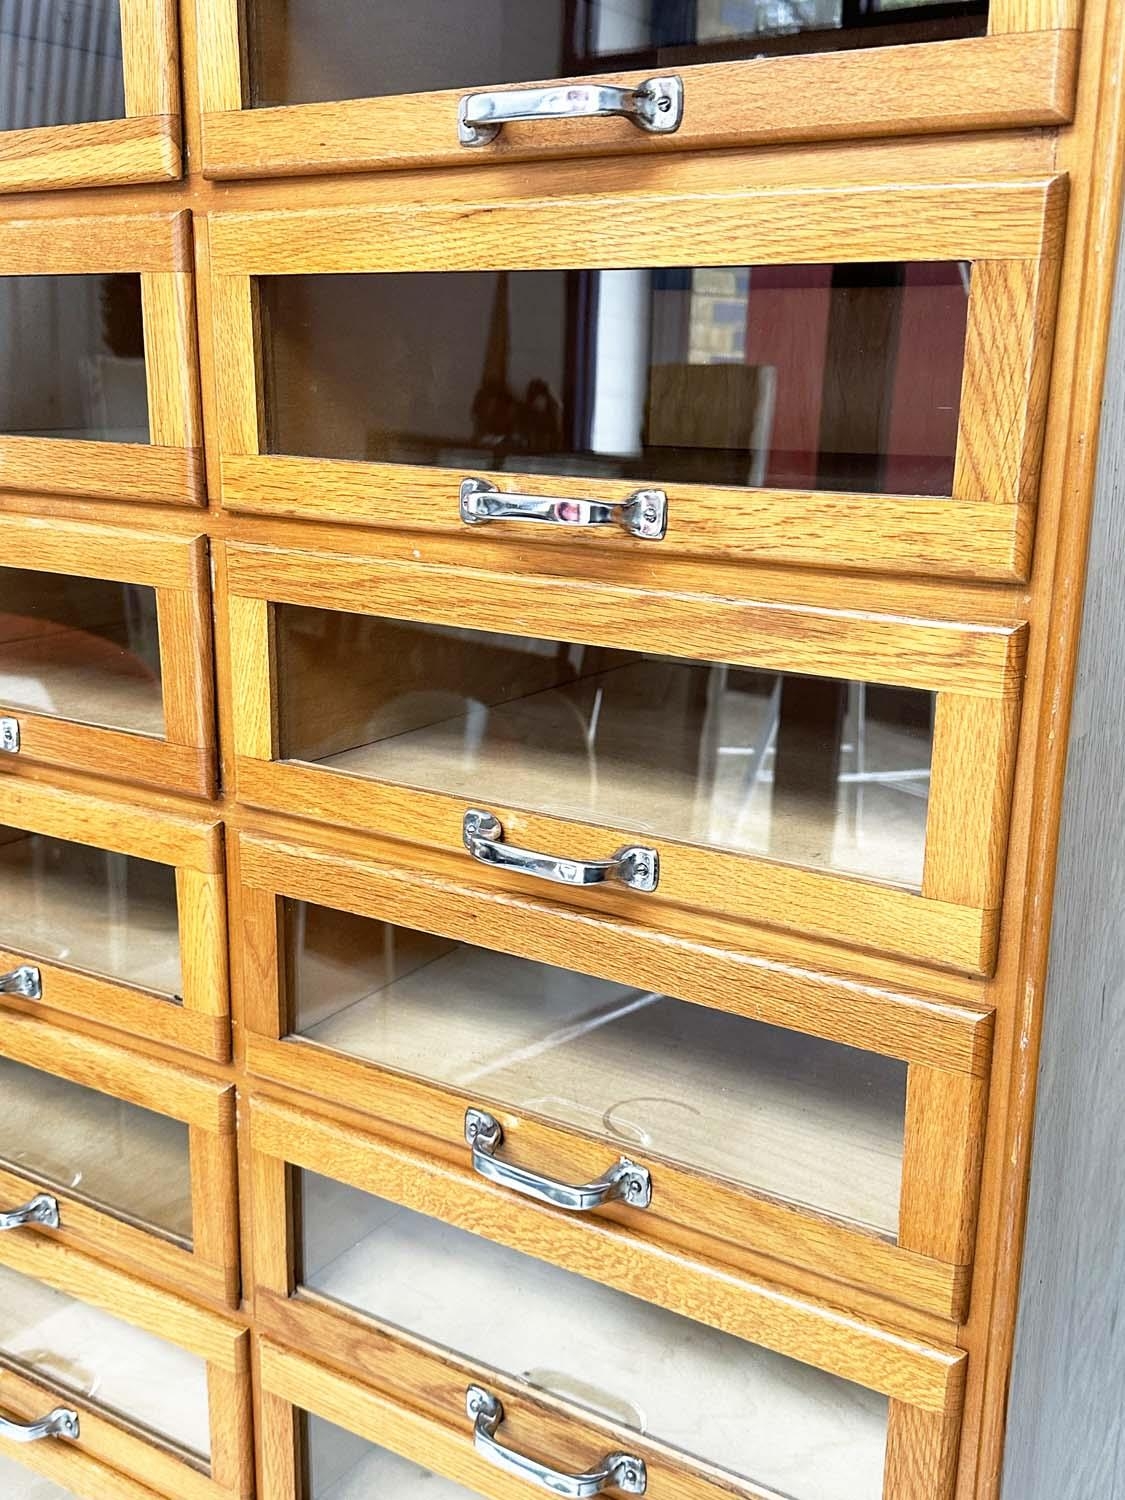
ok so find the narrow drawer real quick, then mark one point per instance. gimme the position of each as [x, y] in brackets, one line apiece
[105, 653]
[114, 913]
[156, 1388]
[118, 1155]
[642, 751]
[94, 103]
[849, 375]
[706, 1124]
[719, 1385]
[294, 88]
[98, 384]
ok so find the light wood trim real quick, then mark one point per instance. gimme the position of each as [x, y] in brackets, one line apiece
[891, 1363]
[75, 1472]
[214, 1196]
[278, 1476]
[187, 679]
[979, 83]
[230, 1400]
[922, 1451]
[49, 545]
[96, 243]
[233, 332]
[252, 668]
[911, 221]
[104, 153]
[201, 903]
[1006, 373]
[942, 1153]
[271, 1211]
[150, 46]
[171, 359]
[101, 471]
[1012, 16]
[115, 753]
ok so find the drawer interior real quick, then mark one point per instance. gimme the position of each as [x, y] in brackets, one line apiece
[108, 1364]
[82, 649]
[757, 1414]
[108, 914]
[20, 1483]
[792, 1116]
[107, 1152]
[338, 1465]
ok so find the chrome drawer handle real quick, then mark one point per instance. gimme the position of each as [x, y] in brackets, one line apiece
[26, 981]
[625, 1182]
[656, 106]
[618, 1471]
[62, 1422]
[643, 514]
[634, 866]
[10, 736]
[42, 1209]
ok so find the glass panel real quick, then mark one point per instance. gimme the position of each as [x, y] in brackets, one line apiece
[302, 51]
[72, 358]
[61, 62]
[84, 649]
[113, 1367]
[793, 1116]
[18, 1483]
[341, 1466]
[757, 1414]
[107, 914]
[797, 377]
[129, 1161]
[808, 770]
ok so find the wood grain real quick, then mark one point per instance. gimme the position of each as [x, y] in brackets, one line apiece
[103, 153]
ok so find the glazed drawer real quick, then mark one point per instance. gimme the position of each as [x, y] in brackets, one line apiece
[706, 1123]
[118, 1155]
[840, 774]
[98, 384]
[848, 374]
[741, 1388]
[105, 653]
[114, 913]
[296, 88]
[144, 1383]
[93, 102]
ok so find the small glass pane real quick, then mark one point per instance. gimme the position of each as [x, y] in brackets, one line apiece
[303, 51]
[18, 1483]
[759, 1415]
[792, 1116]
[83, 649]
[108, 1364]
[844, 378]
[91, 909]
[338, 1465]
[61, 63]
[811, 771]
[128, 1161]
[72, 358]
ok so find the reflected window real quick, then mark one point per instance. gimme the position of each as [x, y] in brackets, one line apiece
[61, 63]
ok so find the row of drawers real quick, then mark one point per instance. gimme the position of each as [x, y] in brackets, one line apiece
[362, 87]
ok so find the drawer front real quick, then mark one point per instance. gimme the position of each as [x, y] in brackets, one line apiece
[93, 105]
[642, 751]
[739, 1388]
[106, 668]
[295, 88]
[113, 913]
[697, 1122]
[156, 1388]
[49, 1472]
[98, 385]
[506, 372]
[109, 1151]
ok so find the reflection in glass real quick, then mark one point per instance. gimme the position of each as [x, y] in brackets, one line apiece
[798, 377]
[808, 770]
[61, 62]
[338, 1465]
[109, 1364]
[72, 358]
[90, 909]
[305, 51]
[114, 1155]
[802, 1119]
[759, 1415]
[83, 649]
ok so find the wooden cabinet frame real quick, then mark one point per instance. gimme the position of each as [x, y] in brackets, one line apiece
[75, 1472]
[209, 1267]
[975, 671]
[178, 569]
[158, 247]
[946, 1046]
[1021, 73]
[924, 1382]
[142, 147]
[116, 1444]
[202, 1023]
[1011, 232]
